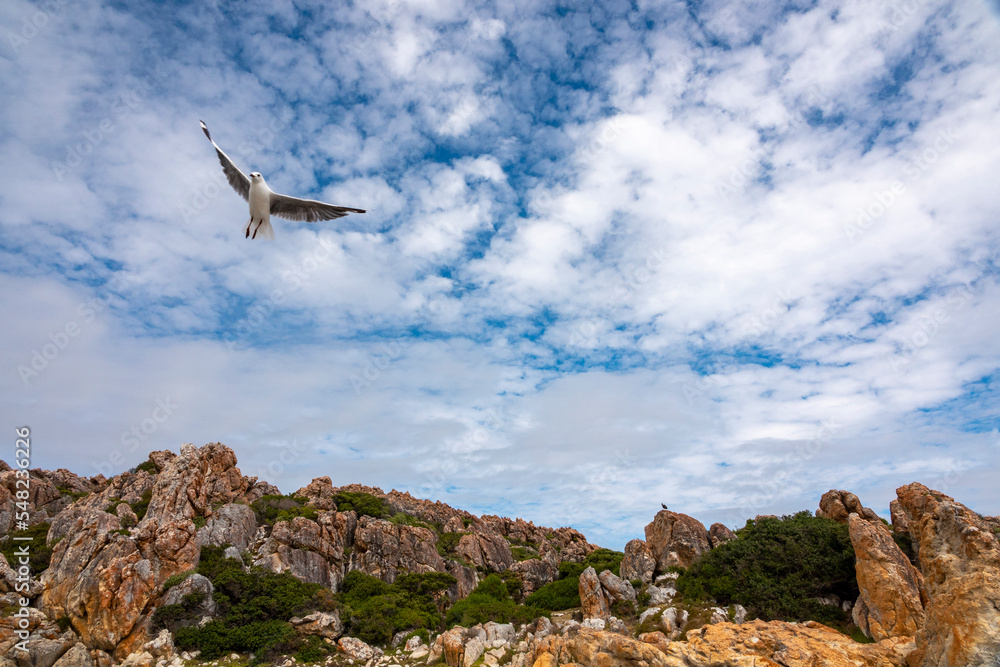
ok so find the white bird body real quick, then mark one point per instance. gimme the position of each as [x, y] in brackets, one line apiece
[260, 209]
[264, 201]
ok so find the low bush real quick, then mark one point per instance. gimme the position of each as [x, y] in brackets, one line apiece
[491, 601]
[776, 567]
[564, 593]
[39, 554]
[365, 504]
[273, 508]
[375, 611]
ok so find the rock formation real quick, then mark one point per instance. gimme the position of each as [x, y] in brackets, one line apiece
[837, 505]
[960, 561]
[675, 540]
[638, 563]
[889, 604]
[719, 534]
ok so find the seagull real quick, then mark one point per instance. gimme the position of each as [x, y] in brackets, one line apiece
[264, 202]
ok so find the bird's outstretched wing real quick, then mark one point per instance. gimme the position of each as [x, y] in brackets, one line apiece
[236, 178]
[308, 210]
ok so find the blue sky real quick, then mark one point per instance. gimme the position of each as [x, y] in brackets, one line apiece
[722, 256]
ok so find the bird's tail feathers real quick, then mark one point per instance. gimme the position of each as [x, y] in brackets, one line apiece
[255, 231]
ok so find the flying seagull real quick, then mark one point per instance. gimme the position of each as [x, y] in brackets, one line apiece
[264, 202]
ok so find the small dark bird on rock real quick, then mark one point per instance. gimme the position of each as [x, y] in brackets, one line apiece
[663, 506]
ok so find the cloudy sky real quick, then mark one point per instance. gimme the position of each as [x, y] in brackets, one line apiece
[722, 256]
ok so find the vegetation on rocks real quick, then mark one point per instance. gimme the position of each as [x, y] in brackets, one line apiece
[374, 611]
[776, 568]
[491, 600]
[564, 593]
[273, 508]
[254, 608]
[40, 554]
[364, 504]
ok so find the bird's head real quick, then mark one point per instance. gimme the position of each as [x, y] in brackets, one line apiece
[256, 177]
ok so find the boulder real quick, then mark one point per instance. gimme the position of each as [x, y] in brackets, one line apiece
[656, 638]
[356, 649]
[595, 604]
[327, 625]
[535, 573]
[675, 540]
[889, 604]
[320, 493]
[673, 621]
[615, 588]
[43, 652]
[310, 550]
[960, 561]
[837, 505]
[385, 550]
[490, 551]
[162, 646]
[638, 563]
[900, 524]
[466, 579]
[719, 534]
[660, 595]
[194, 583]
[77, 656]
[452, 647]
[233, 524]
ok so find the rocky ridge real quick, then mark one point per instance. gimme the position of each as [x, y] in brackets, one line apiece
[116, 542]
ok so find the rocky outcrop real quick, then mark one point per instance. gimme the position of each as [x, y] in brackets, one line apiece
[232, 524]
[719, 534]
[320, 493]
[838, 505]
[889, 604]
[592, 598]
[638, 563]
[900, 524]
[486, 550]
[535, 573]
[193, 584]
[616, 589]
[384, 550]
[319, 623]
[675, 540]
[960, 561]
[310, 550]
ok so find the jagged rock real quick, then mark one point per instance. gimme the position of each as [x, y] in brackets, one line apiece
[675, 540]
[599, 649]
[384, 550]
[656, 638]
[594, 623]
[320, 493]
[595, 604]
[900, 524]
[194, 583]
[739, 614]
[779, 643]
[652, 611]
[233, 524]
[638, 562]
[660, 595]
[9, 624]
[259, 489]
[139, 659]
[673, 621]
[837, 505]
[498, 632]
[43, 652]
[535, 573]
[126, 516]
[615, 588]
[161, 459]
[452, 647]
[311, 550]
[719, 615]
[960, 562]
[889, 604]
[101, 659]
[474, 649]
[719, 534]
[9, 582]
[618, 626]
[234, 553]
[357, 649]
[319, 623]
[162, 646]
[466, 579]
[413, 642]
[77, 656]
[453, 525]
[490, 551]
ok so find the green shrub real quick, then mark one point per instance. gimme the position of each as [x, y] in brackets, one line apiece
[313, 649]
[557, 595]
[255, 607]
[375, 610]
[39, 554]
[64, 623]
[365, 504]
[523, 553]
[140, 506]
[175, 579]
[75, 495]
[148, 466]
[448, 542]
[775, 567]
[490, 601]
[273, 508]
[199, 521]
[401, 519]
[604, 559]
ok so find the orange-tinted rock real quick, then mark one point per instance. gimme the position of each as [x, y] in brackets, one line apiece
[675, 540]
[837, 505]
[889, 604]
[592, 598]
[638, 563]
[960, 560]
